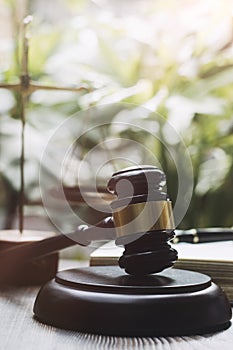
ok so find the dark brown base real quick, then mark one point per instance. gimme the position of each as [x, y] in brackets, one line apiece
[104, 300]
[35, 272]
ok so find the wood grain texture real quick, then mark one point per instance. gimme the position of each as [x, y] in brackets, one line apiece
[20, 331]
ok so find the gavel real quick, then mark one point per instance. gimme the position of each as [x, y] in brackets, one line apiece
[142, 221]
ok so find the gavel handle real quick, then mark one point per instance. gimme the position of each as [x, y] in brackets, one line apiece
[82, 236]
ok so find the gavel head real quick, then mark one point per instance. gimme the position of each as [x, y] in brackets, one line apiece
[143, 219]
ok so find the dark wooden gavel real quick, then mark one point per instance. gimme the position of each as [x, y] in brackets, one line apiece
[141, 221]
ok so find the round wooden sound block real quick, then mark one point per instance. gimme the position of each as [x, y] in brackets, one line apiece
[104, 300]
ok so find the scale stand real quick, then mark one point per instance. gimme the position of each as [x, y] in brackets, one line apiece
[104, 300]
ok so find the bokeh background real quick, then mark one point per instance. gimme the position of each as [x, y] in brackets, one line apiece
[173, 57]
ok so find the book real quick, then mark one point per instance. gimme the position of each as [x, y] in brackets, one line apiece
[214, 259]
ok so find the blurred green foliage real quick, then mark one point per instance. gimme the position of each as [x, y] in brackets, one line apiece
[172, 58]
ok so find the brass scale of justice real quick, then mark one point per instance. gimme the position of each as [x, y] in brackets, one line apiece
[143, 296]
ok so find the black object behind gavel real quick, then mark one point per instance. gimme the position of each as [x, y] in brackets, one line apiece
[142, 222]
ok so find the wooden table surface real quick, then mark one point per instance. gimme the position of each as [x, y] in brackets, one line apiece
[19, 330]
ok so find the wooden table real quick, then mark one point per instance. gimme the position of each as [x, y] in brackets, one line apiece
[19, 330]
